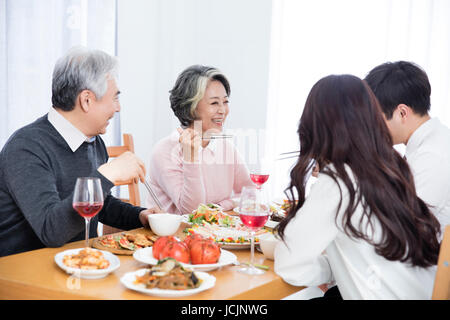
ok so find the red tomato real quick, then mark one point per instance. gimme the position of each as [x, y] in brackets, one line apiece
[204, 252]
[177, 250]
[159, 244]
[191, 238]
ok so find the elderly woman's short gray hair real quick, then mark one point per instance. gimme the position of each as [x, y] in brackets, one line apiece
[81, 69]
[190, 88]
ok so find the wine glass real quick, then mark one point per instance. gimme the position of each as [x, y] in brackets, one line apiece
[254, 212]
[87, 199]
[259, 174]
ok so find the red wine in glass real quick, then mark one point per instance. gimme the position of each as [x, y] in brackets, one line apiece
[259, 179]
[254, 221]
[254, 213]
[86, 209]
[87, 200]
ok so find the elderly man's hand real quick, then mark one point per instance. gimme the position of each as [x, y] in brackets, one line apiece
[125, 167]
[143, 215]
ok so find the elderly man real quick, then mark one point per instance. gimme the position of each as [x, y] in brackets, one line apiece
[40, 162]
[403, 91]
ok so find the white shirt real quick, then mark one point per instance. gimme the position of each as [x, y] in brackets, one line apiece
[358, 270]
[428, 155]
[67, 130]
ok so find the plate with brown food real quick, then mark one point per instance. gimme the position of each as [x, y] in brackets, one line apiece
[168, 279]
[124, 243]
[87, 263]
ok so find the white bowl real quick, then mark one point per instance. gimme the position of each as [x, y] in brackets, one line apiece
[267, 243]
[164, 224]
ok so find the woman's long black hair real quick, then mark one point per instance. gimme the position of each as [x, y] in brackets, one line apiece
[342, 124]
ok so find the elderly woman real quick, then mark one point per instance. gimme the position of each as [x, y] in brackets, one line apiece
[189, 167]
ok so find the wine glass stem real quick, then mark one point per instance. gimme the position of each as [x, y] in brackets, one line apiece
[252, 247]
[87, 231]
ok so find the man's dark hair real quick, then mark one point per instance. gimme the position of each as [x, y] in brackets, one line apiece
[400, 82]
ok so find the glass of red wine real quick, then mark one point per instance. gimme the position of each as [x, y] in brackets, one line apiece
[254, 212]
[87, 200]
[259, 174]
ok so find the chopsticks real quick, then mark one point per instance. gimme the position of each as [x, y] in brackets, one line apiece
[289, 155]
[290, 152]
[152, 193]
[219, 136]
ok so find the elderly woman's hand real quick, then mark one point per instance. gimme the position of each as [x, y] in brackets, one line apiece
[190, 141]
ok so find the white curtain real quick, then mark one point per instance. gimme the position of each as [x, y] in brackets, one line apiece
[312, 39]
[33, 35]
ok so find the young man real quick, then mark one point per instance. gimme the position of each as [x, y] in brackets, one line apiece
[403, 91]
[40, 162]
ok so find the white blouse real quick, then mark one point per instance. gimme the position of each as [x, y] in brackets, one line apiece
[353, 264]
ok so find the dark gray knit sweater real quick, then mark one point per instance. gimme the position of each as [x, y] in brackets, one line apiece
[38, 171]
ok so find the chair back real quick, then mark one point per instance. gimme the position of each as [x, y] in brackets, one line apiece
[441, 290]
[133, 187]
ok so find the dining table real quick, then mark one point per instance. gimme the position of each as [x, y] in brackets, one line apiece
[35, 275]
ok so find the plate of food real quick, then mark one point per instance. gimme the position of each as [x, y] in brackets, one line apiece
[209, 213]
[87, 263]
[283, 204]
[226, 230]
[168, 279]
[237, 237]
[197, 257]
[125, 243]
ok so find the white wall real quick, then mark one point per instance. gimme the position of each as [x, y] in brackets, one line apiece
[157, 39]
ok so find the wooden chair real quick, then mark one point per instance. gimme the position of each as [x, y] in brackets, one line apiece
[133, 188]
[441, 290]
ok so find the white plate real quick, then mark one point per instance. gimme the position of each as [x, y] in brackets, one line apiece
[128, 281]
[114, 263]
[234, 246]
[145, 255]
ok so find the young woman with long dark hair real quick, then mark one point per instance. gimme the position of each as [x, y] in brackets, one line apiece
[362, 224]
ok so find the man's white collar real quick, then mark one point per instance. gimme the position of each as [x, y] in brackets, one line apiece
[73, 137]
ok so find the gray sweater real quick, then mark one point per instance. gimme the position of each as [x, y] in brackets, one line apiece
[38, 171]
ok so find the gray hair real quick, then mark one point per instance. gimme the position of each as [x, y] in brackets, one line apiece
[190, 88]
[81, 69]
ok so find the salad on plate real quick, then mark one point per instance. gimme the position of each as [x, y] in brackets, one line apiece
[211, 222]
[210, 213]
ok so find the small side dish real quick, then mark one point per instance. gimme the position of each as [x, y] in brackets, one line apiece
[87, 263]
[86, 259]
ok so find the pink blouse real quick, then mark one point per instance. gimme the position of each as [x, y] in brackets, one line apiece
[181, 186]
